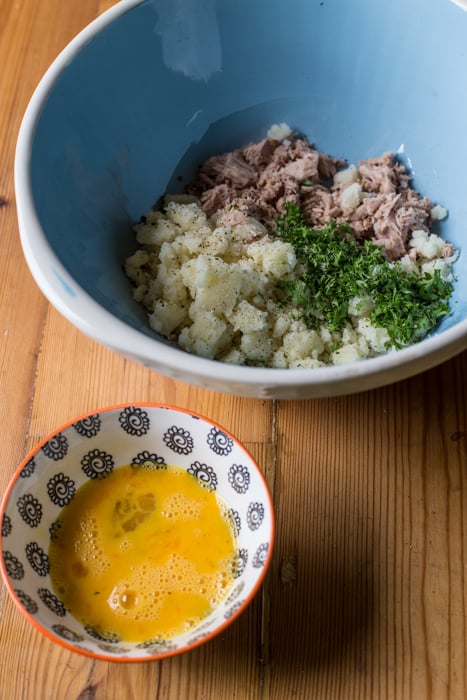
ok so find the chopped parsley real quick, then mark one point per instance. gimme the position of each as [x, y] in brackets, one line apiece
[334, 268]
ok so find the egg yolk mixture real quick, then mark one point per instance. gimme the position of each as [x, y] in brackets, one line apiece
[142, 554]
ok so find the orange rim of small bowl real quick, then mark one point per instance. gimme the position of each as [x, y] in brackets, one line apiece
[171, 652]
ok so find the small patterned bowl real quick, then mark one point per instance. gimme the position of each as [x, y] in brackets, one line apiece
[90, 447]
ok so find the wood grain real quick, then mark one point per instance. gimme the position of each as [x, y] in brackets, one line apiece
[366, 597]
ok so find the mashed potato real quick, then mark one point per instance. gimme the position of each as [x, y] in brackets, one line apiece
[210, 288]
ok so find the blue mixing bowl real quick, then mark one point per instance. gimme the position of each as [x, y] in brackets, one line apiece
[151, 88]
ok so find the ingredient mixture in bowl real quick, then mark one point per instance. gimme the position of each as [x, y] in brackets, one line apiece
[281, 256]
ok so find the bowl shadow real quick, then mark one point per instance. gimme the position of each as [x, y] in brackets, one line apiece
[322, 613]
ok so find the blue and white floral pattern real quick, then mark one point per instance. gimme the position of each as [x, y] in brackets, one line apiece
[28, 469]
[179, 440]
[241, 562]
[97, 464]
[239, 478]
[148, 460]
[51, 601]
[259, 558]
[205, 475]
[232, 610]
[13, 566]
[157, 645]
[235, 592]
[61, 489]
[67, 633]
[236, 519]
[89, 426]
[91, 447]
[6, 525]
[108, 637]
[134, 421]
[26, 601]
[108, 648]
[255, 515]
[54, 528]
[37, 558]
[219, 442]
[56, 448]
[30, 509]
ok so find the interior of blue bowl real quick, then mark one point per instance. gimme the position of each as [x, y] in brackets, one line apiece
[169, 82]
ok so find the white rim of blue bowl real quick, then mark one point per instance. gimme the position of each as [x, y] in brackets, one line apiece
[60, 287]
[460, 3]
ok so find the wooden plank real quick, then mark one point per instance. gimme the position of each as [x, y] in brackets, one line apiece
[371, 554]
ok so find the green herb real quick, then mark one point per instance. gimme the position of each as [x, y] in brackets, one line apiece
[336, 268]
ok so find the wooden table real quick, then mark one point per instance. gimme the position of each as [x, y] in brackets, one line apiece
[367, 595]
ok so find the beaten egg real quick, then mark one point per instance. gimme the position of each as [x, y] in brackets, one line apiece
[144, 554]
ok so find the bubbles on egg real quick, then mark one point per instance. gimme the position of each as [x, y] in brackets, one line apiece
[182, 507]
[151, 558]
[148, 588]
